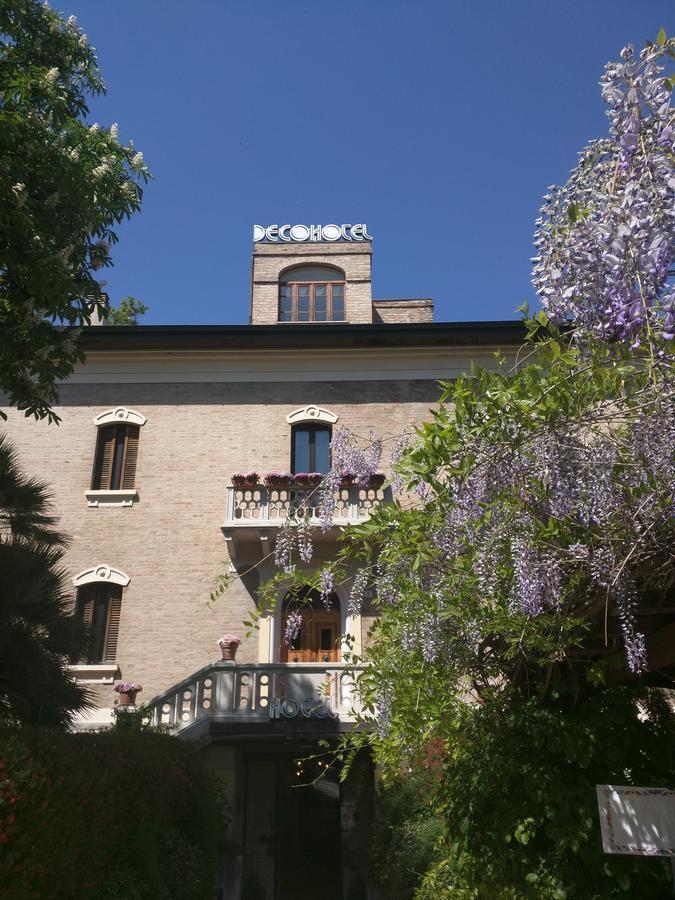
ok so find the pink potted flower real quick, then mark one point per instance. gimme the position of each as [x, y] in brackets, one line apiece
[346, 478]
[308, 479]
[127, 691]
[228, 644]
[278, 479]
[245, 479]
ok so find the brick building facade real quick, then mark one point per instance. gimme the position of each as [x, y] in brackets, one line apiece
[202, 403]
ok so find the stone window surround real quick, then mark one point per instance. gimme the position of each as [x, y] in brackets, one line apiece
[123, 415]
[311, 413]
[97, 673]
[269, 634]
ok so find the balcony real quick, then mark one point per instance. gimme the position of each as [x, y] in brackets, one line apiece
[264, 699]
[254, 513]
[270, 506]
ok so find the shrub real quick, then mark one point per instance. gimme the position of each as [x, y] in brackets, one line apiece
[519, 803]
[405, 832]
[119, 814]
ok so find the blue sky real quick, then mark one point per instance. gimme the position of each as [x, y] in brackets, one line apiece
[439, 123]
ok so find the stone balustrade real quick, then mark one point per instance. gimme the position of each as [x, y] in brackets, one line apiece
[259, 694]
[268, 506]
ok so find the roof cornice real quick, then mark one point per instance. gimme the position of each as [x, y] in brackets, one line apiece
[299, 336]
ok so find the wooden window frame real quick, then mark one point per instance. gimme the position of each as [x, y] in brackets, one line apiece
[312, 285]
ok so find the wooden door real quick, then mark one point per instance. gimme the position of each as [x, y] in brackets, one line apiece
[318, 637]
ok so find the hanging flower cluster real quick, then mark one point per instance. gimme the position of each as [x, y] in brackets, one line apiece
[604, 241]
[292, 629]
[348, 461]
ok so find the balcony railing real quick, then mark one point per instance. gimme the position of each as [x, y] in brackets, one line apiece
[259, 694]
[269, 506]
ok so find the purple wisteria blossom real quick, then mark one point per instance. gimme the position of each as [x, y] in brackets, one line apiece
[283, 550]
[327, 581]
[536, 577]
[605, 239]
[304, 539]
[348, 460]
[357, 592]
[292, 629]
[402, 443]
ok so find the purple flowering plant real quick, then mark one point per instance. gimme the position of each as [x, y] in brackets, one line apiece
[127, 687]
[309, 479]
[537, 519]
[518, 575]
[274, 479]
[229, 640]
[245, 478]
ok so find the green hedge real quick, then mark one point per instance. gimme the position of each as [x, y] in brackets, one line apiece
[518, 797]
[406, 831]
[107, 815]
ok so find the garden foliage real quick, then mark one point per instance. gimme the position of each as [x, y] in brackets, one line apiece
[130, 815]
[38, 633]
[406, 833]
[64, 185]
[526, 566]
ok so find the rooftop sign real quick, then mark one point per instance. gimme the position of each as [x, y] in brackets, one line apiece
[310, 233]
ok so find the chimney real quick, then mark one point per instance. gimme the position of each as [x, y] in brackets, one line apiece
[96, 317]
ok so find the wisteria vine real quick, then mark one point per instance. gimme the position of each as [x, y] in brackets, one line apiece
[535, 512]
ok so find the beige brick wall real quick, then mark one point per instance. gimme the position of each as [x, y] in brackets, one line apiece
[270, 260]
[170, 542]
[392, 312]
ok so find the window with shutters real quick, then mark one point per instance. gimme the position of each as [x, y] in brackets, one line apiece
[99, 606]
[113, 481]
[116, 455]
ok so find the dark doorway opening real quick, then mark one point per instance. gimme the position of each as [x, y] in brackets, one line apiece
[293, 838]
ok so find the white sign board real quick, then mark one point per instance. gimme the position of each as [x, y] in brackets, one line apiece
[637, 821]
[275, 234]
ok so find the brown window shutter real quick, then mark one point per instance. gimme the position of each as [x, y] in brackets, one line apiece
[130, 457]
[105, 448]
[85, 612]
[112, 631]
[85, 609]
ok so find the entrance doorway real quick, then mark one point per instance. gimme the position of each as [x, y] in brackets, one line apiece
[292, 845]
[318, 637]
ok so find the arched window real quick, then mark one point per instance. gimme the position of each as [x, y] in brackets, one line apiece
[318, 636]
[310, 448]
[312, 294]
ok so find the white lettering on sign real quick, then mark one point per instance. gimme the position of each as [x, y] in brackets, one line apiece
[275, 234]
[307, 708]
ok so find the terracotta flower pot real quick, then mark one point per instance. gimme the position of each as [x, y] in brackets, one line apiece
[127, 698]
[229, 651]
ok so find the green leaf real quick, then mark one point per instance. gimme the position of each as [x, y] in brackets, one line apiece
[661, 37]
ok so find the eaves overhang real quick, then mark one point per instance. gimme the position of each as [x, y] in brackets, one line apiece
[299, 336]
